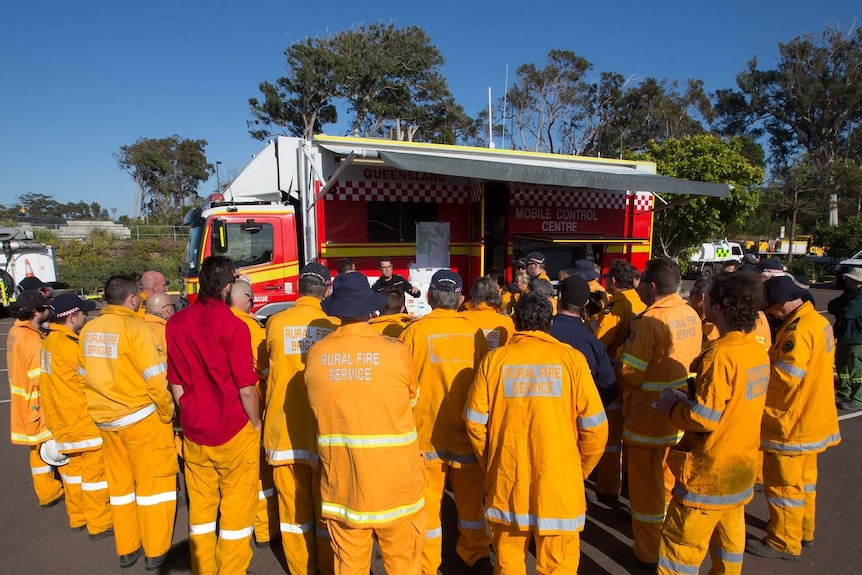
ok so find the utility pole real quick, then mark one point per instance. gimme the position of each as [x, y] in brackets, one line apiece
[218, 181]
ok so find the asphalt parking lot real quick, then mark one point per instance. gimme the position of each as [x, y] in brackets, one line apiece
[39, 540]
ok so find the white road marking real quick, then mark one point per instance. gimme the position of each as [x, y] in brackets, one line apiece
[850, 415]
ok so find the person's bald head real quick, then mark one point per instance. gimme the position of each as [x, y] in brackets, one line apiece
[153, 282]
[241, 296]
[160, 304]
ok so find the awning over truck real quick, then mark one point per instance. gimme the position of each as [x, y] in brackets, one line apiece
[507, 166]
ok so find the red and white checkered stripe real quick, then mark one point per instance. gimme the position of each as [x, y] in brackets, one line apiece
[580, 198]
[376, 191]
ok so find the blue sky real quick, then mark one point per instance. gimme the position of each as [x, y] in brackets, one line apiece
[81, 79]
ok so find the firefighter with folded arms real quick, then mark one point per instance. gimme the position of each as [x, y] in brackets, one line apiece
[23, 357]
[663, 341]
[65, 407]
[721, 422]
[361, 387]
[288, 428]
[446, 348]
[123, 374]
[800, 419]
[537, 426]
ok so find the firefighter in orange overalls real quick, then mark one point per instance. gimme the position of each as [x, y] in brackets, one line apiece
[536, 424]
[696, 299]
[23, 351]
[361, 387]
[288, 432]
[446, 348]
[612, 329]
[266, 518]
[721, 421]
[392, 319]
[800, 419]
[65, 407]
[485, 309]
[123, 371]
[158, 309]
[662, 343]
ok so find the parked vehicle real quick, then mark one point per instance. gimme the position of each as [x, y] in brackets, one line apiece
[845, 266]
[712, 256]
[22, 256]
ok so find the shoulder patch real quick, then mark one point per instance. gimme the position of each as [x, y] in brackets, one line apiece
[787, 347]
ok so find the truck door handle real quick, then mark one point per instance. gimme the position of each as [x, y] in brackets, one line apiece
[271, 287]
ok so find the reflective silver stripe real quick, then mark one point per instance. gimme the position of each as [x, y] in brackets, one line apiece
[665, 563]
[731, 499]
[703, 411]
[84, 444]
[147, 500]
[202, 528]
[35, 372]
[122, 499]
[434, 533]
[801, 447]
[476, 417]
[40, 470]
[235, 534]
[634, 362]
[129, 419]
[659, 385]
[292, 455]
[728, 556]
[785, 502]
[97, 486]
[648, 517]
[809, 488]
[296, 528]
[73, 479]
[471, 524]
[82, 372]
[638, 438]
[360, 441]
[542, 523]
[592, 420]
[266, 493]
[155, 370]
[790, 369]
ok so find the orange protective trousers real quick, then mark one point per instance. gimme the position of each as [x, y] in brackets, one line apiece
[555, 554]
[790, 486]
[87, 491]
[46, 484]
[400, 542]
[688, 534]
[222, 482]
[650, 485]
[303, 536]
[467, 485]
[141, 468]
[266, 518]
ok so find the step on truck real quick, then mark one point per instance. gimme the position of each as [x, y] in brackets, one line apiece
[425, 206]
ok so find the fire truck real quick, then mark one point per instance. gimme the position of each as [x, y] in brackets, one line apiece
[22, 256]
[330, 197]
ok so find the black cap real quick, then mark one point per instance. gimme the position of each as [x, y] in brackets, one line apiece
[536, 258]
[770, 266]
[446, 280]
[574, 289]
[30, 300]
[68, 303]
[521, 263]
[317, 271]
[31, 283]
[782, 289]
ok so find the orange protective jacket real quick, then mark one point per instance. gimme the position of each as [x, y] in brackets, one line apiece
[800, 414]
[446, 348]
[159, 328]
[663, 341]
[63, 396]
[496, 326]
[23, 350]
[288, 425]
[258, 342]
[123, 370]
[722, 423]
[762, 333]
[612, 328]
[360, 387]
[709, 331]
[537, 425]
[391, 324]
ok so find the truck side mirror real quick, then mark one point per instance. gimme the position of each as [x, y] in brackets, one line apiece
[219, 236]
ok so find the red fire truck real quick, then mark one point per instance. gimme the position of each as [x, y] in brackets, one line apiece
[341, 197]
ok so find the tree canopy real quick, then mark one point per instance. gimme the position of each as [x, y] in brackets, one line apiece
[43, 206]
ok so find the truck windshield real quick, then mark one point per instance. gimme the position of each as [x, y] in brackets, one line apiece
[193, 249]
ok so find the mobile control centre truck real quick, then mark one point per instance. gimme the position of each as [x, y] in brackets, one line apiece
[329, 198]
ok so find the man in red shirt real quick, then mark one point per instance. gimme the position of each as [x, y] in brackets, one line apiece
[212, 377]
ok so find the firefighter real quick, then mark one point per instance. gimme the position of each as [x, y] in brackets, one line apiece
[612, 329]
[65, 409]
[537, 426]
[800, 419]
[152, 282]
[485, 309]
[721, 423]
[393, 318]
[663, 341]
[536, 266]
[389, 280]
[446, 348]
[123, 370]
[158, 309]
[266, 517]
[696, 299]
[361, 387]
[23, 350]
[289, 432]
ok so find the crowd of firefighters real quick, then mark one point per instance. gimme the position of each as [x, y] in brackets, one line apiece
[344, 419]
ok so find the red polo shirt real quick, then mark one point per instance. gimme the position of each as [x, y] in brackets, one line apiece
[209, 354]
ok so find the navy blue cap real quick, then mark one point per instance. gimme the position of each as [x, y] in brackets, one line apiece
[446, 280]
